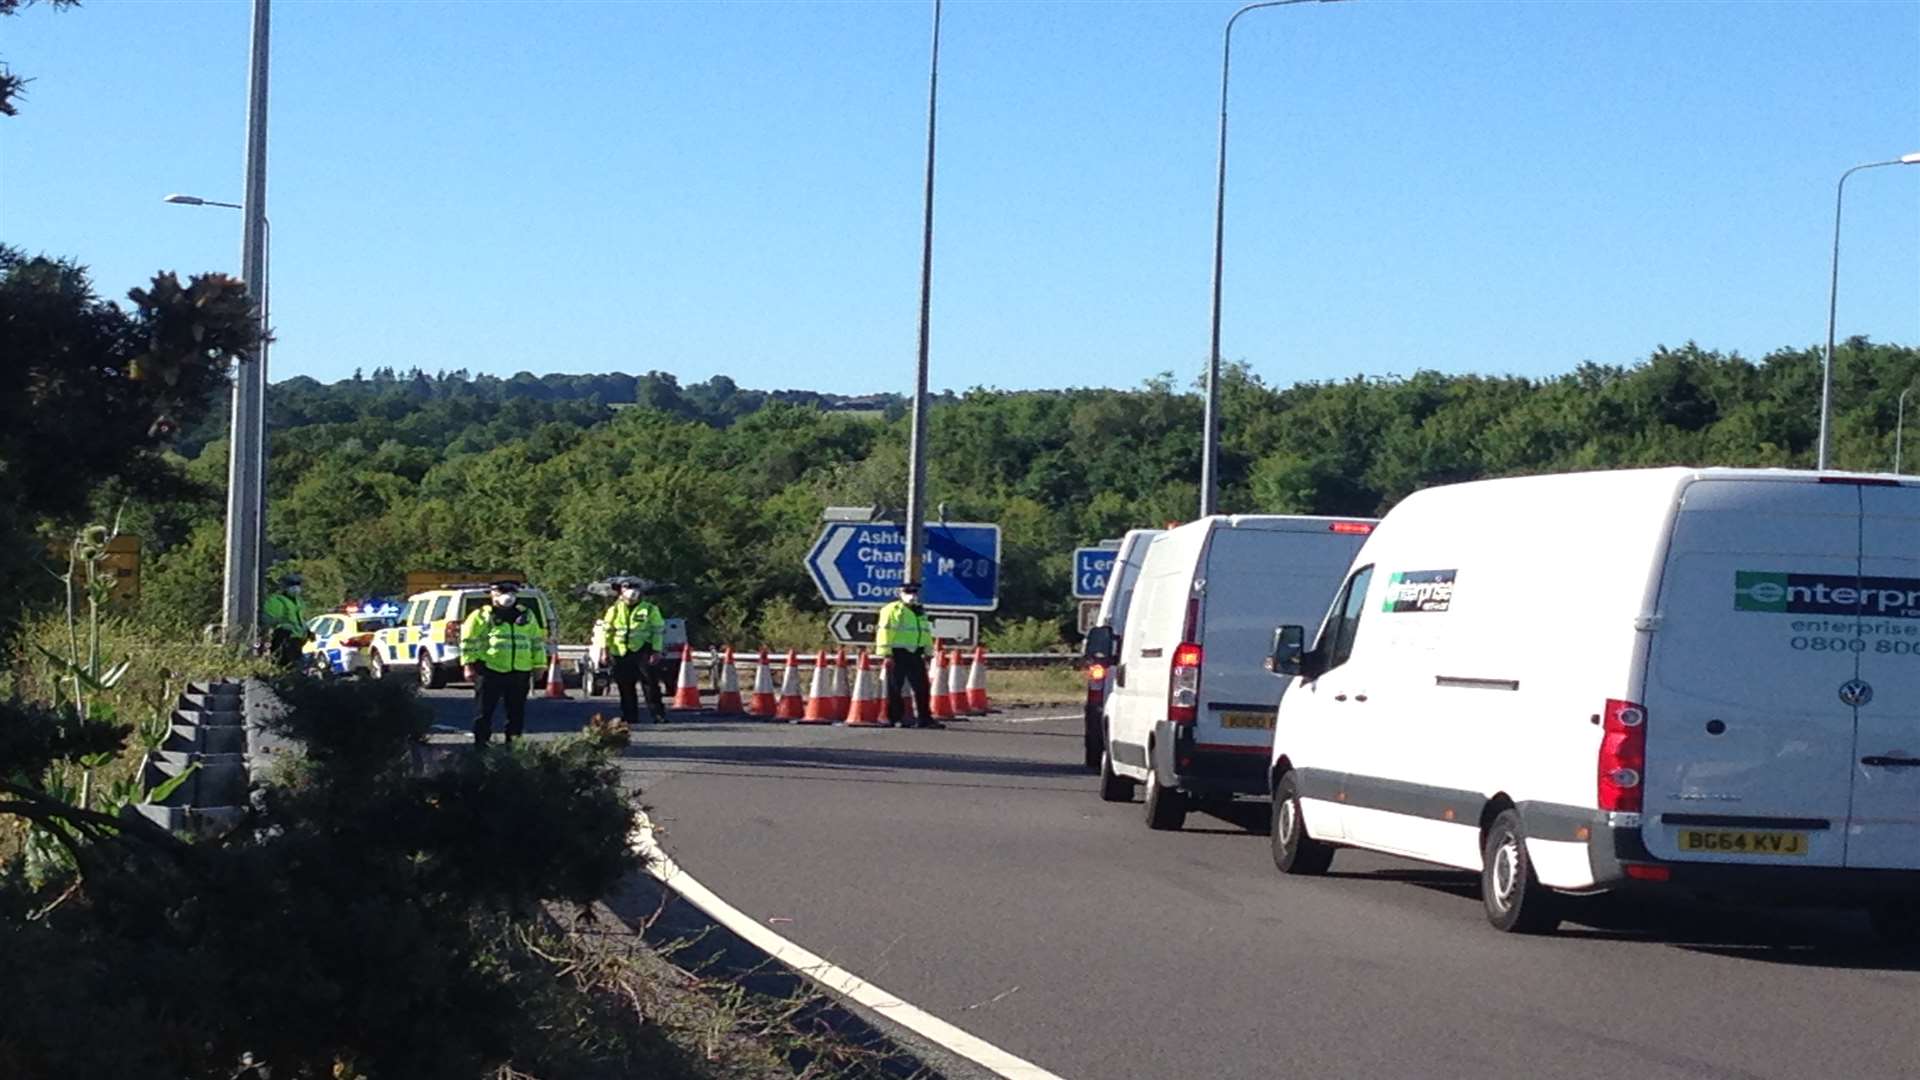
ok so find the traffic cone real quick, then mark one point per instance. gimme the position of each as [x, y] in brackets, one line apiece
[820, 694]
[842, 686]
[868, 708]
[957, 685]
[762, 704]
[727, 699]
[942, 703]
[790, 706]
[556, 683]
[977, 703]
[686, 694]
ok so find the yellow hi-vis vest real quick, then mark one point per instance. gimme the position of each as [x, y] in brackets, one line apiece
[901, 627]
[633, 627]
[504, 646]
[284, 613]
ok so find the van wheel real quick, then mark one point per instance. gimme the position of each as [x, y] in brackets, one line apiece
[431, 677]
[1516, 901]
[1294, 852]
[1897, 921]
[1113, 786]
[1166, 807]
[376, 667]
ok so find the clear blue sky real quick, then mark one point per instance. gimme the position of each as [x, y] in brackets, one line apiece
[735, 188]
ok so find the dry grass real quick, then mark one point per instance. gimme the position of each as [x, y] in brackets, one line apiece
[1037, 686]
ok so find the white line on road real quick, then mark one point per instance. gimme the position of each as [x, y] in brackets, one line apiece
[1036, 719]
[834, 978]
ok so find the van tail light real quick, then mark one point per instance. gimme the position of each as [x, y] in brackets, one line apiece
[1623, 756]
[357, 641]
[1183, 689]
[453, 631]
[1351, 528]
[1096, 683]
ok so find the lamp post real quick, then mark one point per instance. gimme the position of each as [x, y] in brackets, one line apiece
[917, 444]
[1900, 427]
[1210, 441]
[1833, 301]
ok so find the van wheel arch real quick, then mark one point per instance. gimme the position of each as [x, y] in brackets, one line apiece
[1280, 768]
[1490, 812]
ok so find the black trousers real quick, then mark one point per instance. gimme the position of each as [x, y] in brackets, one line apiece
[637, 669]
[494, 688]
[285, 649]
[909, 669]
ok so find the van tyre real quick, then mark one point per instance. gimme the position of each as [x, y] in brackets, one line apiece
[431, 677]
[1113, 786]
[376, 667]
[1897, 921]
[1516, 901]
[1294, 852]
[1166, 807]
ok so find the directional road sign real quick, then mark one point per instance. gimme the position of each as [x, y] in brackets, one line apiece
[861, 564]
[1091, 565]
[855, 627]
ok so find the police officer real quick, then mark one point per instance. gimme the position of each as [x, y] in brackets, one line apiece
[904, 635]
[500, 646]
[634, 632]
[286, 622]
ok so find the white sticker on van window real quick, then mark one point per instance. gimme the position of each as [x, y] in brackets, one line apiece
[1419, 590]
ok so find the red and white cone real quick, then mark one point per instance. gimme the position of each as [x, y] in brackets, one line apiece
[957, 685]
[977, 702]
[842, 686]
[763, 703]
[942, 703]
[863, 712]
[727, 694]
[686, 693]
[791, 706]
[556, 682]
[820, 694]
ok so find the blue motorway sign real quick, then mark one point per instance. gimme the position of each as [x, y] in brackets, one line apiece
[1091, 565]
[861, 564]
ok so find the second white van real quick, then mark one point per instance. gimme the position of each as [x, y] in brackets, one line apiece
[1191, 711]
[1115, 602]
[1672, 679]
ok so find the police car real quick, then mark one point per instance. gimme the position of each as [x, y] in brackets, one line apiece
[337, 641]
[425, 641]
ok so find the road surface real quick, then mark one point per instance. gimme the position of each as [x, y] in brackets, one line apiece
[974, 872]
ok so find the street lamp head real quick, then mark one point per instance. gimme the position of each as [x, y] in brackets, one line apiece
[1910, 159]
[186, 200]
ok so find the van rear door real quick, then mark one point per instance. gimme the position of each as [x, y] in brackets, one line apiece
[1749, 746]
[1256, 579]
[1884, 825]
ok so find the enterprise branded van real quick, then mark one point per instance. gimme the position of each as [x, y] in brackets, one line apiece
[1102, 648]
[1191, 713]
[1702, 680]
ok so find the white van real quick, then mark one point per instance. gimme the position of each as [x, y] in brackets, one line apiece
[1114, 604]
[1191, 713]
[1687, 679]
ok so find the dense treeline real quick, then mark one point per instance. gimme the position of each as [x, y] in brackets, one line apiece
[719, 490]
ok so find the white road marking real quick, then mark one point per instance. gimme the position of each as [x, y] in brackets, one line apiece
[1033, 719]
[834, 978]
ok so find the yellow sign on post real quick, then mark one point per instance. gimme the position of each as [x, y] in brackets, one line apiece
[120, 565]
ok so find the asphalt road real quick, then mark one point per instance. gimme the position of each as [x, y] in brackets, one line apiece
[975, 872]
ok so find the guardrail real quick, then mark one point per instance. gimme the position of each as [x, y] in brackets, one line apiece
[708, 659]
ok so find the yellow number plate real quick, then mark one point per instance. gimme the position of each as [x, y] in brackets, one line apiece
[1743, 843]
[1258, 721]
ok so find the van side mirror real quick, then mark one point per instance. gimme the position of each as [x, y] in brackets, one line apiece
[1289, 654]
[1099, 644]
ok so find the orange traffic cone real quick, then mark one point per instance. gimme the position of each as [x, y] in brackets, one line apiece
[762, 704]
[686, 694]
[942, 703]
[556, 683]
[842, 686]
[790, 706]
[867, 708]
[820, 694]
[727, 696]
[957, 685]
[977, 703]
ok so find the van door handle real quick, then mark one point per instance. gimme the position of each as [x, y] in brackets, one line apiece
[1339, 697]
[1892, 762]
[1359, 697]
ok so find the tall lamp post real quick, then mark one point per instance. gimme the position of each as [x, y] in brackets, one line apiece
[917, 446]
[1210, 442]
[1833, 301]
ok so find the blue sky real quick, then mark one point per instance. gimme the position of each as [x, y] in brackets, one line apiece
[735, 188]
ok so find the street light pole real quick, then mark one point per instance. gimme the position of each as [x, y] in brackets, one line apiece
[1833, 302]
[1210, 441]
[917, 447]
[1900, 427]
[246, 463]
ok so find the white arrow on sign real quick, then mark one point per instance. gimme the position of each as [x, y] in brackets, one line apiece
[837, 588]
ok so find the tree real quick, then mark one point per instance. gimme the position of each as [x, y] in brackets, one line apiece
[12, 87]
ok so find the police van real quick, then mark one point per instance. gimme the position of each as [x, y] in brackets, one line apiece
[1677, 679]
[1191, 713]
[425, 641]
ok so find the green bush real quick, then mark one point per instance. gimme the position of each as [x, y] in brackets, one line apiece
[1024, 636]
